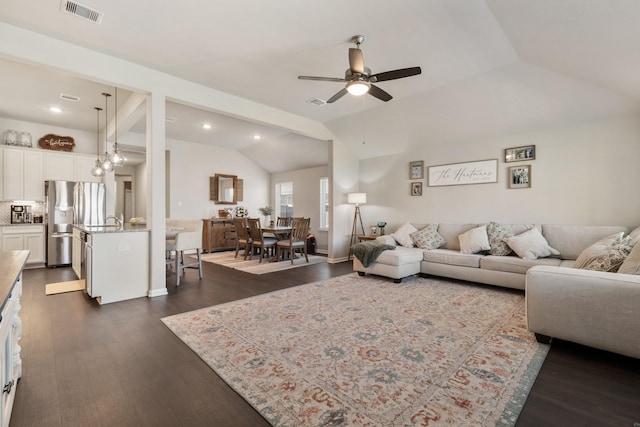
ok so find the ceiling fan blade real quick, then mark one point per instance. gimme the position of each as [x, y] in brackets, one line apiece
[379, 93]
[396, 74]
[337, 96]
[356, 63]
[322, 79]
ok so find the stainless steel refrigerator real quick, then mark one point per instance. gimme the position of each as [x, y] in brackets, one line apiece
[68, 203]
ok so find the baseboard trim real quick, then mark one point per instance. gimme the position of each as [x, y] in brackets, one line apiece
[157, 292]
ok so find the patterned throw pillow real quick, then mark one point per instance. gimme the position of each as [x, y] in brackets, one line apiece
[597, 249]
[402, 235]
[612, 259]
[496, 233]
[474, 240]
[428, 237]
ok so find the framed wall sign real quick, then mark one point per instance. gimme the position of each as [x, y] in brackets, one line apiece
[416, 169]
[520, 176]
[480, 172]
[518, 154]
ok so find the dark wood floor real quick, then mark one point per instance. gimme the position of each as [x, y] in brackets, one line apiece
[118, 365]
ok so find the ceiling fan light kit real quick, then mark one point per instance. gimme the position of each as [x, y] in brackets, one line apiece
[359, 78]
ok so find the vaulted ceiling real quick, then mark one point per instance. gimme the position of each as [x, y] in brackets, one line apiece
[489, 67]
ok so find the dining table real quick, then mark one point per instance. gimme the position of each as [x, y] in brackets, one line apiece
[280, 231]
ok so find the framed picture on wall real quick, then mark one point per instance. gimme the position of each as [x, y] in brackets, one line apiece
[416, 169]
[416, 188]
[519, 154]
[520, 176]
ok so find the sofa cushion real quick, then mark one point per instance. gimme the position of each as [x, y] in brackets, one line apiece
[631, 265]
[512, 264]
[400, 256]
[474, 240]
[495, 233]
[451, 257]
[403, 235]
[530, 245]
[427, 238]
[611, 259]
[597, 249]
[450, 233]
[571, 240]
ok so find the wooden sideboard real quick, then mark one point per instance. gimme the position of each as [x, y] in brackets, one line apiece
[218, 235]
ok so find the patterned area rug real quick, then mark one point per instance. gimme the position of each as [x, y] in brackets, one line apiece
[254, 266]
[368, 352]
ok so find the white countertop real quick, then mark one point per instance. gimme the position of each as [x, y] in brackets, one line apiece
[97, 229]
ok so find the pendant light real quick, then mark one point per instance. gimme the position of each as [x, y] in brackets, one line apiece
[97, 169]
[106, 163]
[117, 159]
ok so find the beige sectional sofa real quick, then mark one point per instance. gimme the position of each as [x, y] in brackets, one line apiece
[598, 309]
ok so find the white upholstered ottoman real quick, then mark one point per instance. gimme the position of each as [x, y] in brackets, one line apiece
[395, 264]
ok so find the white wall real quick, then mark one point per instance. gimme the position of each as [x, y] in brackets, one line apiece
[584, 174]
[306, 197]
[191, 166]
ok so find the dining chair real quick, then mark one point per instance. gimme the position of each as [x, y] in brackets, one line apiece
[284, 221]
[243, 239]
[187, 238]
[297, 240]
[258, 240]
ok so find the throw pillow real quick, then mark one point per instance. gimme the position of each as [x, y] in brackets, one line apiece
[597, 249]
[531, 245]
[402, 235]
[474, 240]
[387, 240]
[496, 233]
[428, 237]
[612, 259]
[631, 265]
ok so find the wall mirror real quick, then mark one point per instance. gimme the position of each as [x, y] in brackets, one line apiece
[223, 189]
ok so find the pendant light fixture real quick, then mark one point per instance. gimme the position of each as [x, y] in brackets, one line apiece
[97, 169]
[117, 159]
[106, 163]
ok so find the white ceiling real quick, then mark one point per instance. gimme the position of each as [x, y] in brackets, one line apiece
[489, 67]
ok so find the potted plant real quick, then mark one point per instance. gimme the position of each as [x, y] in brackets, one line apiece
[266, 213]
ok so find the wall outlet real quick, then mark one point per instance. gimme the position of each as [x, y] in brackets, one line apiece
[123, 248]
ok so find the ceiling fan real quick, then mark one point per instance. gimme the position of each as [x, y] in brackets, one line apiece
[359, 78]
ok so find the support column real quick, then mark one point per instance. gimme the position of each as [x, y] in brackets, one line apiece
[156, 145]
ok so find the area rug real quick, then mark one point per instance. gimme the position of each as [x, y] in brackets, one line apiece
[365, 351]
[62, 287]
[254, 266]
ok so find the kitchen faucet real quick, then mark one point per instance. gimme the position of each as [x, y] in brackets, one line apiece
[118, 221]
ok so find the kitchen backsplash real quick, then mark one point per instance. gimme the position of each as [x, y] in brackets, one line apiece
[37, 208]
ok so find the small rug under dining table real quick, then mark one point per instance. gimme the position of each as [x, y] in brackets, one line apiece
[369, 352]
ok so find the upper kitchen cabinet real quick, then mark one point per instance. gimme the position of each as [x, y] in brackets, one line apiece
[69, 167]
[22, 173]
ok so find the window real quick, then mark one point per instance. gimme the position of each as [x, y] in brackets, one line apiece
[284, 199]
[324, 203]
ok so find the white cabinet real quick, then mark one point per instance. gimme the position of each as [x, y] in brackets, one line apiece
[70, 167]
[76, 253]
[29, 237]
[22, 174]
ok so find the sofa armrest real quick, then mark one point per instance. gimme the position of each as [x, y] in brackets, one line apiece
[593, 308]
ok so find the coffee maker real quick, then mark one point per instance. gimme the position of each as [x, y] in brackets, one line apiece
[20, 214]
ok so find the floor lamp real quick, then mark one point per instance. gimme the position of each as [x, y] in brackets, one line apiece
[357, 199]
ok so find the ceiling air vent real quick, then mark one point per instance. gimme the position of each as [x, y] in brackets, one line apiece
[81, 11]
[70, 98]
[318, 101]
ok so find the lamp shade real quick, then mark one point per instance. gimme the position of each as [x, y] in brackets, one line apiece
[357, 198]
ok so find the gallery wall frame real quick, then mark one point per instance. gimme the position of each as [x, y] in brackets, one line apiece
[520, 176]
[520, 154]
[416, 188]
[416, 169]
[477, 172]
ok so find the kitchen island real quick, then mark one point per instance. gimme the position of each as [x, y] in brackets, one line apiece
[113, 261]
[11, 265]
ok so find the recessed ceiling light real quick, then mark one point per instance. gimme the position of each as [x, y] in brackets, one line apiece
[256, 136]
[55, 109]
[206, 126]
